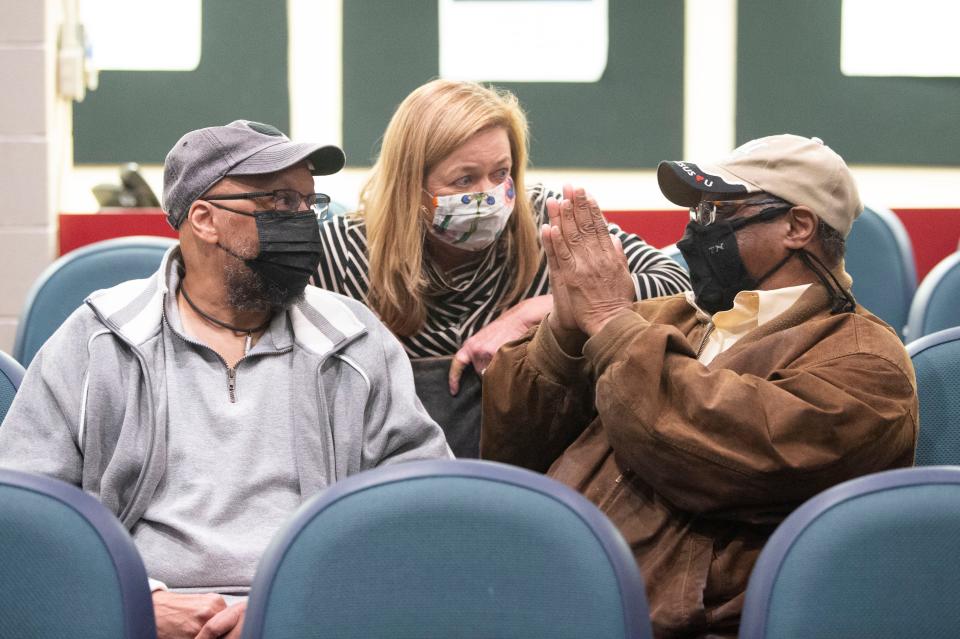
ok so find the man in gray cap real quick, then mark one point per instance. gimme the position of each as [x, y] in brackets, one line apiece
[204, 404]
[698, 422]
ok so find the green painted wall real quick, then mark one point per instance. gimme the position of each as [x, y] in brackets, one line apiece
[789, 80]
[632, 117]
[137, 116]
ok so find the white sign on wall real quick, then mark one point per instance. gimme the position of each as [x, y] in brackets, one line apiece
[523, 40]
[143, 35]
[897, 38]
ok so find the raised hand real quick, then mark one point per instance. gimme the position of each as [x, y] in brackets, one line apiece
[592, 270]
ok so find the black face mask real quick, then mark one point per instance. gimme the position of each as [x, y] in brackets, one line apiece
[290, 249]
[717, 273]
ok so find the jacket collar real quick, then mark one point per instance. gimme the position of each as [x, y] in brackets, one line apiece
[321, 322]
[816, 300]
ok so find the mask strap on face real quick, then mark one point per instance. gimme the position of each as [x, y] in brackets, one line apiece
[765, 215]
[843, 301]
[776, 267]
[231, 253]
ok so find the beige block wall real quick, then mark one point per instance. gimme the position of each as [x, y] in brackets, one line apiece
[35, 148]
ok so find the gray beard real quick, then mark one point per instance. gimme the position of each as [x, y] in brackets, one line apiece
[249, 291]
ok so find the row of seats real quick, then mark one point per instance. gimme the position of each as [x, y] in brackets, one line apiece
[424, 549]
[440, 581]
[879, 257]
[476, 549]
[880, 260]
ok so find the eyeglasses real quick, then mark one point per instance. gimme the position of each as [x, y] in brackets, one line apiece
[706, 213]
[284, 201]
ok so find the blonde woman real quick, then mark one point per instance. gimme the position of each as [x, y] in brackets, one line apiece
[445, 247]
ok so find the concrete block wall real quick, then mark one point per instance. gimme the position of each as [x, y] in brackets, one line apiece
[35, 149]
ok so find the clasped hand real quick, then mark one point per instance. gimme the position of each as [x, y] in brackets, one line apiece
[589, 277]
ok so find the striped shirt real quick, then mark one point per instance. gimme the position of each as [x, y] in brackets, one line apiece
[462, 301]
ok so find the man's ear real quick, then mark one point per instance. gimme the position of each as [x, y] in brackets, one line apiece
[803, 227]
[200, 219]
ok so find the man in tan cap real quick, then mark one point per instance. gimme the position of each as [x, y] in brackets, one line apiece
[698, 422]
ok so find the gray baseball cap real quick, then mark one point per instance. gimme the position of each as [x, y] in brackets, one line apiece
[203, 157]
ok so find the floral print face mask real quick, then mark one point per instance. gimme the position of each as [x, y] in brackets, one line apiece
[473, 221]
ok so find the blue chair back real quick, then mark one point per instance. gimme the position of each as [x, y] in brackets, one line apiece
[674, 254]
[936, 305]
[441, 549]
[936, 360]
[877, 557]
[339, 208]
[11, 374]
[66, 283]
[879, 257]
[68, 567]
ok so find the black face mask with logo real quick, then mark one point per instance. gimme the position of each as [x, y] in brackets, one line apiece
[717, 273]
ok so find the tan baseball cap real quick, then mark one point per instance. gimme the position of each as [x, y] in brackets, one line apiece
[802, 171]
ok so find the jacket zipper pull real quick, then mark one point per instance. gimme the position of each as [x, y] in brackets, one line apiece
[232, 384]
[706, 336]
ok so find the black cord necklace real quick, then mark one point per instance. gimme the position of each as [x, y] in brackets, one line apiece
[236, 329]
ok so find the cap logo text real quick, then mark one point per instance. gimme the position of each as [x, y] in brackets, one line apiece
[696, 176]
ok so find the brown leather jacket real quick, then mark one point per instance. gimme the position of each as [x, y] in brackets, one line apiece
[696, 465]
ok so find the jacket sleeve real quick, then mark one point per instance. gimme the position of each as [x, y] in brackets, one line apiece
[40, 431]
[536, 401]
[712, 439]
[397, 428]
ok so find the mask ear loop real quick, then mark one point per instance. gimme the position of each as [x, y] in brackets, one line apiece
[766, 215]
[776, 267]
[843, 300]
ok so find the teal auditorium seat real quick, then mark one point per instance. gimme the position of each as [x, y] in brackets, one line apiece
[936, 305]
[338, 207]
[877, 556]
[674, 254]
[441, 549]
[880, 259]
[69, 569]
[66, 283]
[11, 374]
[936, 360]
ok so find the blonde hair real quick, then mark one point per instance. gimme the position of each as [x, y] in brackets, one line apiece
[430, 124]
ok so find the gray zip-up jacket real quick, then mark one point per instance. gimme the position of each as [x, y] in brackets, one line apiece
[92, 408]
